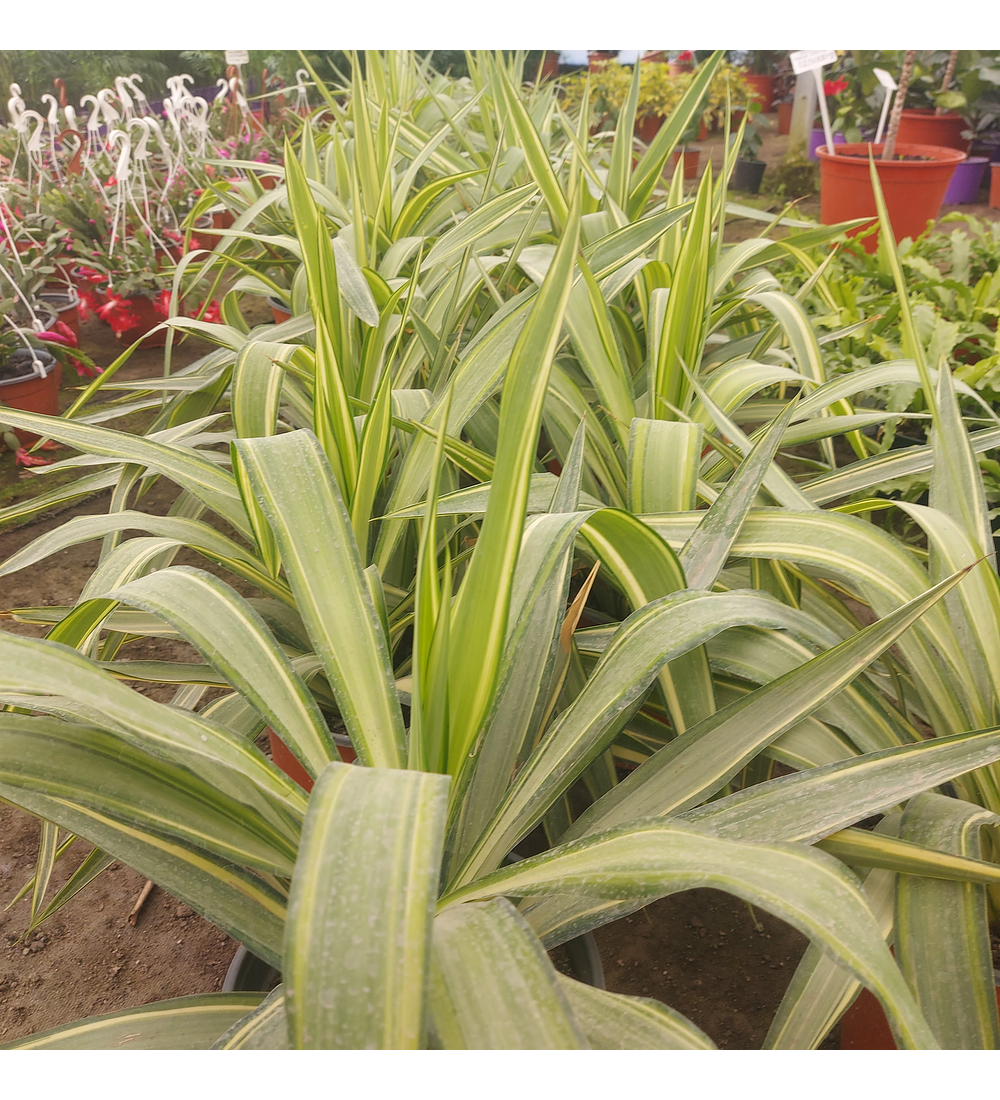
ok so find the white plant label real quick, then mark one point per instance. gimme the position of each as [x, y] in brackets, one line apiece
[885, 79]
[237, 57]
[805, 60]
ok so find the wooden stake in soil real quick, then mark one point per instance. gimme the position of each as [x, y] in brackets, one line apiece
[949, 74]
[897, 108]
[140, 901]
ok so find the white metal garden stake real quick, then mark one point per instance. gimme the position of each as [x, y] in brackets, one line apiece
[15, 108]
[890, 86]
[53, 121]
[301, 92]
[813, 61]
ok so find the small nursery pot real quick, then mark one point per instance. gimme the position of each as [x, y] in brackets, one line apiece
[995, 185]
[913, 189]
[647, 127]
[965, 183]
[690, 161]
[785, 117]
[147, 318]
[747, 175]
[66, 305]
[22, 387]
[278, 309]
[761, 87]
[921, 126]
[818, 138]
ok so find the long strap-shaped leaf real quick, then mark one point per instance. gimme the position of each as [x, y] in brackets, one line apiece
[694, 766]
[358, 934]
[187, 1023]
[479, 622]
[804, 887]
[612, 1021]
[236, 641]
[942, 930]
[201, 477]
[295, 487]
[265, 1028]
[492, 986]
[647, 640]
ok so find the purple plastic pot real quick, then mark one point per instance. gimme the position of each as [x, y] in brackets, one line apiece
[817, 138]
[965, 183]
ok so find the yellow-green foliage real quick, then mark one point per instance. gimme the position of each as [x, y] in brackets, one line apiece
[659, 92]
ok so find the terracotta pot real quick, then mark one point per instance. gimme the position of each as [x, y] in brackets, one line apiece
[149, 317]
[913, 189]
[647, 127]
[597, 58]
[32, 392]
[66, 304]
[995, 185]
[762, 88]
[690, 161]
[703, 132]
[924, 127]
[278, 309]
[864, 1025]
[785, 117]
[284, 759]
[655, 57]
[549, 66]
[679, 67]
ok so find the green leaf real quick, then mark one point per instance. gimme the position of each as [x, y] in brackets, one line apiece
[612, 1021]
[492, 987]
[299, 496]
[806, 888]
[186, 1023]
[358, 934]
[942, 928]
[236, 641]
[265, 1028]
[479, 618]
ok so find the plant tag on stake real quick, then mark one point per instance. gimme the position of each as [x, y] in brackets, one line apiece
[237, 57]
[890, 86]
[804, 61]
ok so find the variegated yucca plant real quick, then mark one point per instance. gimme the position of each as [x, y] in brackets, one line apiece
[439, 623]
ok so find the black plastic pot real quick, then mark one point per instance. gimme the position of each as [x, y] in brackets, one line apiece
[248, 974]
[747, 176]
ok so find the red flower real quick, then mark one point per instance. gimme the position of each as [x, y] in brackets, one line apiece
[161, 303]
[118, 313]
[213, 313]
[22, 458]
[685, 55]
[835, 87]
[60, 334]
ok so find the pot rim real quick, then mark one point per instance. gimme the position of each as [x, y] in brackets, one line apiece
[939, 155]
[70, 292]
[46, 358]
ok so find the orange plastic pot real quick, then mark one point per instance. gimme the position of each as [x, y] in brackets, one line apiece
[148, 318]
[995, 185]
[278, 310]
[66, 304]
[913, 189]
[761, 87]
[920, 126]
[34, 393]
[690, 162]
[785, 117]
[865, 1027]
[678, 68]
[283, 758]
[647, 127]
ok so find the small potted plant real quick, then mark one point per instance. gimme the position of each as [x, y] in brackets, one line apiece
[913, 177]
[748, 172]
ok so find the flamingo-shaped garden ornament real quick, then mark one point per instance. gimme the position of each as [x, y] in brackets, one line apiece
[125, 98]
[53, 125]
[141, 102]
[301, 92]
[15, 108]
